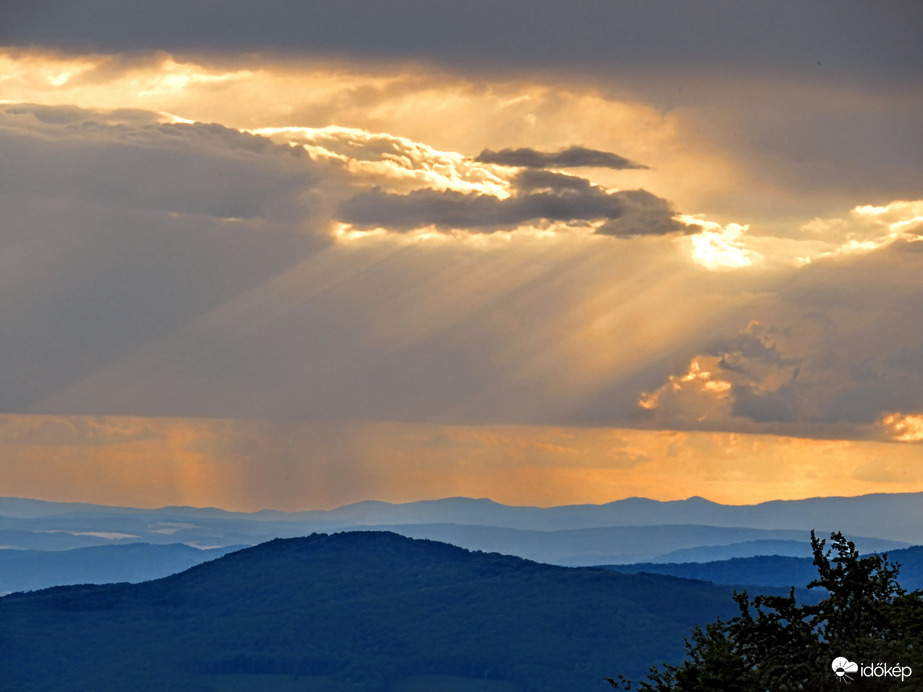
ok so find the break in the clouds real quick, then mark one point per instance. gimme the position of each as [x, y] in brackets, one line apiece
[572, 157]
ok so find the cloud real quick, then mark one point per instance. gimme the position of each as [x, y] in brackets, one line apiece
[126, 159]
[903, 427]
[720, 248]
[395, 163]
[154, 264]
[184, 268]
[59, 431]
[826, 349]
[164, 268]
[530, 180]
[909, 357]
[119, 229]
[582, 37]
[572, 157]
[643, 213]
[150, 244]
[557, 199]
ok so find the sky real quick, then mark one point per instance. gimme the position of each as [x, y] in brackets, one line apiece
[294, 255]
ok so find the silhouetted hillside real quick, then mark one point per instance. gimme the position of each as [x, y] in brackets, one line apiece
[357, 611]
[772, 570]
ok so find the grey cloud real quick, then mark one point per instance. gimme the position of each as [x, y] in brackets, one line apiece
[777, 406]
[908, 358]
[748, 351]
[561, 198]
[121, 293]
[843, 349]
[643, 214]
[821, 98]
[132, 162]
[588, 36]
[118, 231]
[549, 180]
[573, 157]
[81, 430]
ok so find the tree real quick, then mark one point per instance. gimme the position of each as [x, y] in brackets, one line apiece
[866, 630]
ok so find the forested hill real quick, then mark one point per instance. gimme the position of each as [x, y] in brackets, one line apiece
[773, 570]
[357, 611]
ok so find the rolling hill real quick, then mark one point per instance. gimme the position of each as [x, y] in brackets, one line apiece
[353, 611]
[772, 570]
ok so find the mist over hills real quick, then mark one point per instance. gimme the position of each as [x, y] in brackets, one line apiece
[588, 547]
[622, 532]
[28, 570]
[358, 611]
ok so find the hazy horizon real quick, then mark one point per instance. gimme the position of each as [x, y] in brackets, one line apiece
[448, 498]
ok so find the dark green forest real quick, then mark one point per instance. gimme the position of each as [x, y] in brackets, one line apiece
[866, 630]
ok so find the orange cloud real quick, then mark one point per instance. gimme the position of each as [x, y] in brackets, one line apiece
[903, 427]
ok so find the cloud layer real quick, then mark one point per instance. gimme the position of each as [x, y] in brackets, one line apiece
[572, 157]
[118, 229]
[199, 270]
[358, 247]
[582, 37]
[555, 199]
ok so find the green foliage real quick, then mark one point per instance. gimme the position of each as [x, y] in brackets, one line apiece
[777, 644]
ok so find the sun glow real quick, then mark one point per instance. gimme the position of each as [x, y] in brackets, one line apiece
[718, 247]
[399, 162]
[903, 427]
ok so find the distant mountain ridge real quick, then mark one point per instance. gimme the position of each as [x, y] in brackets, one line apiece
[588, 547]
[896, 516]
[29, 570]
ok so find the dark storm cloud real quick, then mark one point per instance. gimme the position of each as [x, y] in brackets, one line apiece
[561, 199]
[792, 37]
[573, 157]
